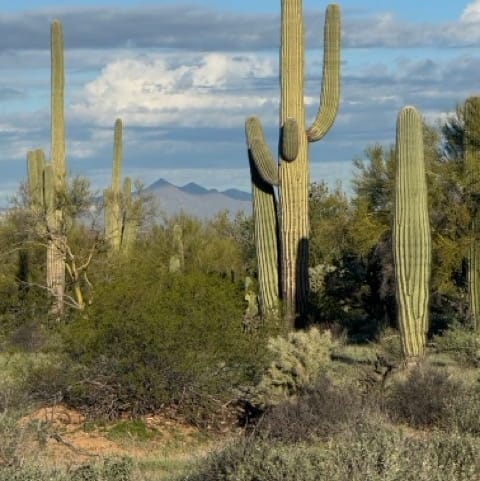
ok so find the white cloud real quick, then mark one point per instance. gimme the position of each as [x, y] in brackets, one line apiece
[204, 90]
[471, 13]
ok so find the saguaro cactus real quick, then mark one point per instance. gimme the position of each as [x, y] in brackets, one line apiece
[292, 175]
[177, 259]
[472, 172]
[56, 243]
[113, 221]
[121, 214]
[411, 234]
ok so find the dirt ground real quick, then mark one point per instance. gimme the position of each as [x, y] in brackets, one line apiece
[63, 437]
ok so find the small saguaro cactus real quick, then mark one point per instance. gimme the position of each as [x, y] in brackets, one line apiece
[177, 258]
[292, 173]
[472, 173]
[411, 235]
[120, 213]
[112, 196]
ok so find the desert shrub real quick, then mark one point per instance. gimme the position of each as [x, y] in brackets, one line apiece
[111, 469]
[11, 435]
[377, 454]
[424, 398]
[152, 340]
[297, 361]
[27, 378]
[386, 455]
[463, 412]
[460, 343]
[315, 414]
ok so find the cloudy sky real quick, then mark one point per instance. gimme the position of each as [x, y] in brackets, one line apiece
[183, 76]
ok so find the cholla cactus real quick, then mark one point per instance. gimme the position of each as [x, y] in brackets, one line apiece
[292, 173]
[298, 361]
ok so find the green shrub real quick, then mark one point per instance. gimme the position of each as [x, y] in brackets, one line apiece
[461, 344]
[151, 339]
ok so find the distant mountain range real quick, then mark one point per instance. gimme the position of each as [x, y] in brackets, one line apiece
[195, 200]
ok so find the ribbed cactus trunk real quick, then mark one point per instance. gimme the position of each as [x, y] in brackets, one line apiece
[472, 174]
[113, 219]
[56, 242]
[411, 235]
[292, 175]
[293, 179]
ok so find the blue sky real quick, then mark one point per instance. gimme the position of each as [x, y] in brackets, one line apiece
[184, 76]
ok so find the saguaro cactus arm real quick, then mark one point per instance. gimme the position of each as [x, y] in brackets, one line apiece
[330, 92]
[289, 140]
[35, 166]
[261, 155]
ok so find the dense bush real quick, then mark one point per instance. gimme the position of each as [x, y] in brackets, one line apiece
[431, 397]
[314, 415]
[170, 340]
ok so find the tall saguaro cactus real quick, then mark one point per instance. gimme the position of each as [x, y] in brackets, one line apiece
[292, 174]
[411, 234]
[56, 243]
[472, 172]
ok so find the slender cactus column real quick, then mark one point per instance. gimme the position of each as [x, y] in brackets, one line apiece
[56, 244]
[112, 197]
[472, 173]
[411, 234]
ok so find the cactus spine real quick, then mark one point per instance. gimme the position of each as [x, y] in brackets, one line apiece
[411, 234]
[56, 243]
[293, 168]
[472, 171]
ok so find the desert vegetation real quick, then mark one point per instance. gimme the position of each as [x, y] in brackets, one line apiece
[329, 336]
